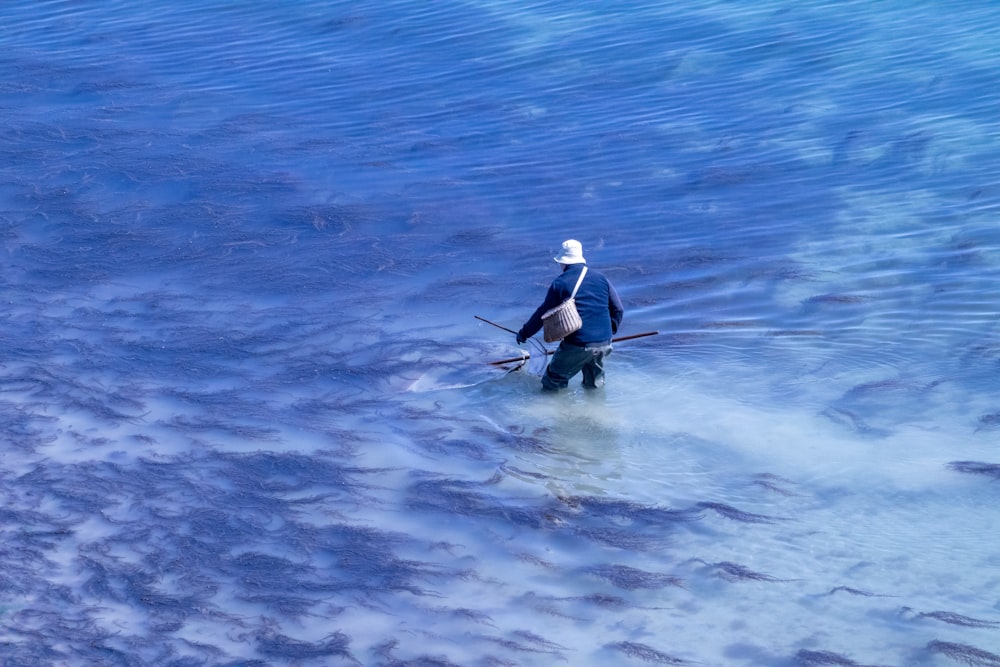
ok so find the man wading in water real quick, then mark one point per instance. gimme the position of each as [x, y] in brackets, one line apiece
[601, 311]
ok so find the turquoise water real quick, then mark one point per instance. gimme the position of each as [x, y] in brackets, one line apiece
[247, 413]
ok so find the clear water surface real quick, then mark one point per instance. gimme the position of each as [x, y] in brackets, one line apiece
[247, 414]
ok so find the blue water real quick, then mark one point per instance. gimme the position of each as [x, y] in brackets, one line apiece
[247, 415]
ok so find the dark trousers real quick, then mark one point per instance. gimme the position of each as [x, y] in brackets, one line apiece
[569, 360]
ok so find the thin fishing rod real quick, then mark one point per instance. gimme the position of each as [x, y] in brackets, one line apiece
[548, 352]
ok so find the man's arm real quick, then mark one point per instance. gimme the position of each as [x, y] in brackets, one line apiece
[534, 322]
[615, 308]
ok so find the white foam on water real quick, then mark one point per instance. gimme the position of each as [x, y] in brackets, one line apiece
[882, 515]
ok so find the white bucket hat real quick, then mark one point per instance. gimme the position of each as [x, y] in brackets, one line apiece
[571, 253]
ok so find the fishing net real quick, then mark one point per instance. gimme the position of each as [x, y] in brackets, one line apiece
[539, 359]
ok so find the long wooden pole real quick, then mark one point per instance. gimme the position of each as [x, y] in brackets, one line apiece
[498, 326]
[547, 352]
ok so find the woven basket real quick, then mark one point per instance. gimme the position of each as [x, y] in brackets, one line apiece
[561, 321]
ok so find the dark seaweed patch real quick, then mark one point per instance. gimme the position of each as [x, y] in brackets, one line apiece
[823, 658]
[281, 472]
[601, 600]
[209, 425]
[437, 444]
[626, 510]
[647, 653]
[958, 619]
[877, 387]
[976, 468]
[771, 482]
[526, 642]
[22, 430]
[470, 615]
[281, 646]
[615, 523]
[968, 655]
[517, 472]
[630, 578]
[836, 299]
[989, 421]
[855, 591]
[181, 549]
[287, 605]
[534, 560]
[548, 608]
[428, 661]
[366, 558]
[620, 538]
[257, 572]
[514, 438]
[619, 523]
[730, 512]
[468, 498]
[611, 602]
[736, 572]
[536, 640]
[852, 420]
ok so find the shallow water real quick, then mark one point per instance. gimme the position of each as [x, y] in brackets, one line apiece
[247, 413]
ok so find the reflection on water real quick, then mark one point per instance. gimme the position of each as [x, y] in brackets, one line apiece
[247, 414]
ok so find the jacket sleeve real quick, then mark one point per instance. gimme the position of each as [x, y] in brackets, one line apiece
[615, 308]
[534, 323]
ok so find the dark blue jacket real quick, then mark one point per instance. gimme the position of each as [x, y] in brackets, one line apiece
[596, 300]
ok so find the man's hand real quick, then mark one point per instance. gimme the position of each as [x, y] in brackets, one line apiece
[520, 340]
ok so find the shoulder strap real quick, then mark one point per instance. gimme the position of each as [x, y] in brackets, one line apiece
[580, 280]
